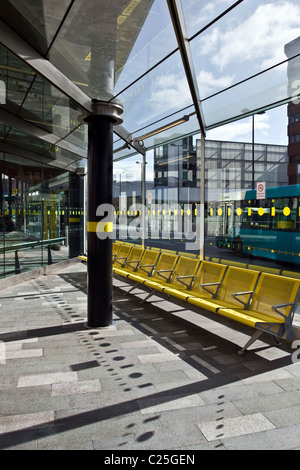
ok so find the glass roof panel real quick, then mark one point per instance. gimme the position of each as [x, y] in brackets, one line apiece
[37, 20]
[48, 108]
[155, 96]
[155, 40]
[97, 38]
[63, 158]
[171, 134]
[199, 13]
[3, 131]
[268, 89]
[78, 136]
[17, 77]
[128, 49]
[248, 40]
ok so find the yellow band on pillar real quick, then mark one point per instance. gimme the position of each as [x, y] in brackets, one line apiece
[100, 227]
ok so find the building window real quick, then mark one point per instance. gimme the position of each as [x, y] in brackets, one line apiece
[293, 139]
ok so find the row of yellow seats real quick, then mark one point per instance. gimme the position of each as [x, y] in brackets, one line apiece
[263, 301]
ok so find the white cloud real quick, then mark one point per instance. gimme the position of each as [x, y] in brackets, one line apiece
[208, 83]
[171, 91]
[261, 37]
[198, 15]
[241, 131]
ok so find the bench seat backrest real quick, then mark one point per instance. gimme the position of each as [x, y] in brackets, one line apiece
[238, 280]
[274, 290]
[184, 267]
[133, 258]
[166, 262]
[148, 262]
[116, 247]
[208, 273]
[122, 254]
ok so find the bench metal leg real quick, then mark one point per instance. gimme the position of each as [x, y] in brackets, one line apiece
[147, 297]
[277, 342]
[253, 338]
[132, 288]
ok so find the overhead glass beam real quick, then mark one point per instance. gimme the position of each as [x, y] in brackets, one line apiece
[186, 55]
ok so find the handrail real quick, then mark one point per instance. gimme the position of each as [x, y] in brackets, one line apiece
[26, 246]
[32, 244]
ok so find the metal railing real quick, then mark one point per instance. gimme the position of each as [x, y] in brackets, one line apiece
[17, 247]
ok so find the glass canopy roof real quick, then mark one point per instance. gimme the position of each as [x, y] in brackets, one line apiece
[177, 67]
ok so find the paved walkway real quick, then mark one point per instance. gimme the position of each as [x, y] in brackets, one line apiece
[155, 381]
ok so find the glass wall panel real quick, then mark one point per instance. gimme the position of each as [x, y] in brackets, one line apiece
[171, 194]
[252, 213]
[260, 92]
[41, 215]
[255, 224]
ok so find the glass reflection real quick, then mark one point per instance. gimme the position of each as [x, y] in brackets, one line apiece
[41, 215]
[154, 41]
[48, 108]
[17, 78]
[38, 21]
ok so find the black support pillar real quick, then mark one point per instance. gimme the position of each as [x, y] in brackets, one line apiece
[100, 181]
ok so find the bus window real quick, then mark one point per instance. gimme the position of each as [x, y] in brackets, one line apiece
[257, 215]
[286, 214]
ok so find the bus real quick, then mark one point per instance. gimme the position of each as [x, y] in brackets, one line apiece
[267, 228]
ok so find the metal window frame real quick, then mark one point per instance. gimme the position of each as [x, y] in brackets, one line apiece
[180, 29]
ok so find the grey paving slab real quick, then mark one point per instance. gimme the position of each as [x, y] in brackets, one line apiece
[157, 381]
[232, 427]
[285, 438]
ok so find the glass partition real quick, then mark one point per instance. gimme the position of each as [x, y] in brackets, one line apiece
[41, 215]
[252, 207]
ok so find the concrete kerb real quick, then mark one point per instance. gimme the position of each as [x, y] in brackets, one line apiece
[35, 273]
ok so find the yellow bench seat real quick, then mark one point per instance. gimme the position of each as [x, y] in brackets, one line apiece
[235, 291]
[139, 271]
[250, 317]
[205, 285]
[178, 272]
